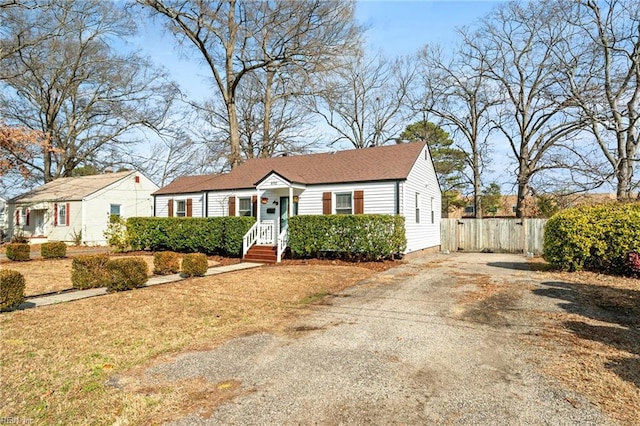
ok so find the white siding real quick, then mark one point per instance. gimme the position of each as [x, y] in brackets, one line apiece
[61, 232]
[162, 204]
[379, 197]
[422, 179]
[219, 201]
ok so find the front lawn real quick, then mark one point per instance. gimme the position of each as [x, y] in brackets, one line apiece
[59, 362]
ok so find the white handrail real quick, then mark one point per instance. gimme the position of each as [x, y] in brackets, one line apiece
[250, 238]
[283, 242]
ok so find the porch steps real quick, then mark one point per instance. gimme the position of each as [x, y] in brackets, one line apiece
[264, 254]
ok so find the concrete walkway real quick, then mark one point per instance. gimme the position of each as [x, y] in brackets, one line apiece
[35, 302]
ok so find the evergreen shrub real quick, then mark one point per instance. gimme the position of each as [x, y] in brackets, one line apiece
[126, 273]
[194, 265]
[53, 250]
[166, 262]
[11, 289]
[18, 252]
[89, 271]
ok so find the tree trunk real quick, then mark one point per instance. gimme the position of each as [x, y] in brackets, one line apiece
[267, 145]
[234, 134]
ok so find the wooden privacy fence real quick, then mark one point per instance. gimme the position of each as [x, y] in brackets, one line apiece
[496, 235]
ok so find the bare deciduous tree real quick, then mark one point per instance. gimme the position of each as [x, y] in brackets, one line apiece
[235, 38]
[515, 46]
[366, 101]
[600, 60]
[458, 92]
[73, 88]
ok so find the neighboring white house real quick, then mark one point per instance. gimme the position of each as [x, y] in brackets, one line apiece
[3, 218]
[78, 208]
[395, 179]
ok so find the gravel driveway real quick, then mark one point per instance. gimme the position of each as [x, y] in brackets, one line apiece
[413, 345]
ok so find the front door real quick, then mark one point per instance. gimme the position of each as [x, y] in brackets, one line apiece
[38, 222]
[284, 213]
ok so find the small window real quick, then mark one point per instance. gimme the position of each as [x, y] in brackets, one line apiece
[62, 215]
[469, 209]
[244, 206]
[514, 208]
[417, 207]
[433, 211]
[344, 203]
[114, 210]
[181, 208]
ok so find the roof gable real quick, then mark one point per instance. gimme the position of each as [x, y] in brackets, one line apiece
[392, 162]
[70, 188]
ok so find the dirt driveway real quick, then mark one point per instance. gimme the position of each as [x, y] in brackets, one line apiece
[430, 342]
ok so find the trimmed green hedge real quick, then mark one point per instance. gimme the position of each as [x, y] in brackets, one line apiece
[53, 250]
[18, 252]
[11, 289]
[221, 235]
[362, 237]
[597, 238]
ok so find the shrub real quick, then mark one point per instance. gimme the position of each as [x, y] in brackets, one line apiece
[19, 237]
[53, 250]
[597, 238]
[633, 264]
[166, 262]
[19, 252]
[126, 274]
[222, 235]
[11, 289]
[194, 265]
[89, 271]
[361, 237]
[116, 233]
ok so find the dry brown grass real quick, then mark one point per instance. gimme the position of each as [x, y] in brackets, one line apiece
[593, 345]
[54, 275]
[56, 359]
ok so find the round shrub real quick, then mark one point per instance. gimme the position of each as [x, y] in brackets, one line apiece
[126, 274]
[166, 262]
[89, 271]
[18, 252]
[597, 238]
[194, 265]
[11, 289]
[53, 250]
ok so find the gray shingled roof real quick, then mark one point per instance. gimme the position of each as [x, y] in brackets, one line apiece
[392, 162]
[70, 188]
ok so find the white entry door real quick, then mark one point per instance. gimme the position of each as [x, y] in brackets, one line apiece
[38, 222]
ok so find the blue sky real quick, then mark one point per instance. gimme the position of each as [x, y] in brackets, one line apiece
[396, 27]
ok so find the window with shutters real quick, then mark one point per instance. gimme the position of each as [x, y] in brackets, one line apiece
[62, 215]
[244, 206]
[181, 208]
[344, 203]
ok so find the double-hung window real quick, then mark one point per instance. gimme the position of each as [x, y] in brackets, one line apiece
[344, 203]
[244, 206]
[114, 210]
[181, 208]
[417, 207]
[62, 214]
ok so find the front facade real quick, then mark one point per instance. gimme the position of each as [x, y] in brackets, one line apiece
[397, 179]
[3, 218]
[77, 209]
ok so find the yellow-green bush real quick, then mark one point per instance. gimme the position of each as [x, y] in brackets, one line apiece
[18, 252]
[126, 273]
[166, 262]
[53, 250]
[194, 265]
[89, 271]
[11, 289]
[597, 238]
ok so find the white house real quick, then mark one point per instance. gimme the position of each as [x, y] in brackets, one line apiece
[78, 208]
[3, 218]
[395, 179]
